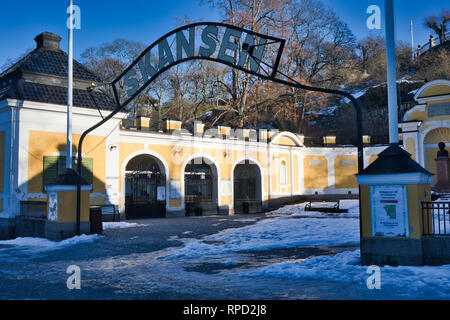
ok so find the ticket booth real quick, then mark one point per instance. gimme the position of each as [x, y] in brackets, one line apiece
[62, 207]
[392, 190]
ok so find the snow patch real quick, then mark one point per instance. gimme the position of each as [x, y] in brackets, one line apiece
[279, 232]
[43, 245]
[346, 267]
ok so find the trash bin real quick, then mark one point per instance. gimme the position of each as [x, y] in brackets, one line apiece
[95, 218]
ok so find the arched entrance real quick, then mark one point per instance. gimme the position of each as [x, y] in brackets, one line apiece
[145, 188]
[430, 142]
[247, 188]
[200, 187]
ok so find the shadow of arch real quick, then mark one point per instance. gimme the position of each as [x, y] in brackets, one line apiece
[247, 188]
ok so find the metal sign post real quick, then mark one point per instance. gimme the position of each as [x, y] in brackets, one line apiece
[70, 89]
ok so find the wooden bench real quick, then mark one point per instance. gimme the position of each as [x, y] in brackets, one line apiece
[334, 209]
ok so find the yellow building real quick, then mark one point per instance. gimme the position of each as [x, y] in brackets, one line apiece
[428, 123]
[175, 172]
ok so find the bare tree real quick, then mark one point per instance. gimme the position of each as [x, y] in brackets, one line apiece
[439, 24]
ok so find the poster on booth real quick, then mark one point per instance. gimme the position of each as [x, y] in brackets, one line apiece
[53, 206]
[389, 211]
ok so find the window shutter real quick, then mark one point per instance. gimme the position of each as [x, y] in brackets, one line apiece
[50, 169]
[87, 170]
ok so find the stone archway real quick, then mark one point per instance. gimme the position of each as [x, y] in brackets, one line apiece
[145, 188]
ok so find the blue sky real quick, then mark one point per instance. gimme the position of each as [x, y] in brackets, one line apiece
[147, 20]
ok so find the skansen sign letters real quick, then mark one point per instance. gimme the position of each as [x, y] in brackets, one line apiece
[233, 46]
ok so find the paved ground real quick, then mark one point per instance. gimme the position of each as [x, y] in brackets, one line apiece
[129, 264]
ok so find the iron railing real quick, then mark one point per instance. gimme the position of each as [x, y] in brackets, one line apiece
[436, 218]
[433, 42]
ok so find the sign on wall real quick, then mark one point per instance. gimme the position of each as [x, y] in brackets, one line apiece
[53, 206]
[389, 211]
[226, 188]
[161, 194]
[175, 189]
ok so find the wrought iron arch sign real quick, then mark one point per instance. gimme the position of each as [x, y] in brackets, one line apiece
[216, 40]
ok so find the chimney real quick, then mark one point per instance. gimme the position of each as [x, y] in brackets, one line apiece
[171, 125]
[199, 128]
[329, 140]
[47, 40]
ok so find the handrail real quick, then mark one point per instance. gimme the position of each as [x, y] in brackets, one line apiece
[431, 44]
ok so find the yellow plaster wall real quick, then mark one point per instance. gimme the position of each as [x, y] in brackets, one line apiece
[224, 130]
[430, 163]
[345, 174]
[329, 140]
[284, 188]
[373, 158]
[296, 173]
[315, 177]
[416, 194]
[285, 141]
[410, 146]
[437, 90]
[418, 115]
[67, 206]
[423, 116]
[42, 143]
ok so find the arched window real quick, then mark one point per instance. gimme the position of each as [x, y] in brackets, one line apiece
[283, 172]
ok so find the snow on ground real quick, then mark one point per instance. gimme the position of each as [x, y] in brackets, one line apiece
[345, 267]
[277, 232]
[37, 245]
[120, 225]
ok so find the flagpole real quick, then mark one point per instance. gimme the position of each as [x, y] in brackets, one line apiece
[391, 72]
[412, 39]
[70, 89]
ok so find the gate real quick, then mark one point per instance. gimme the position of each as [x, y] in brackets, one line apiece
[141, 199]
[436, 218]
[247, 188]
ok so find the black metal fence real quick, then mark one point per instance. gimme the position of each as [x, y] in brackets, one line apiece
[33, 209]
[436, 218]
